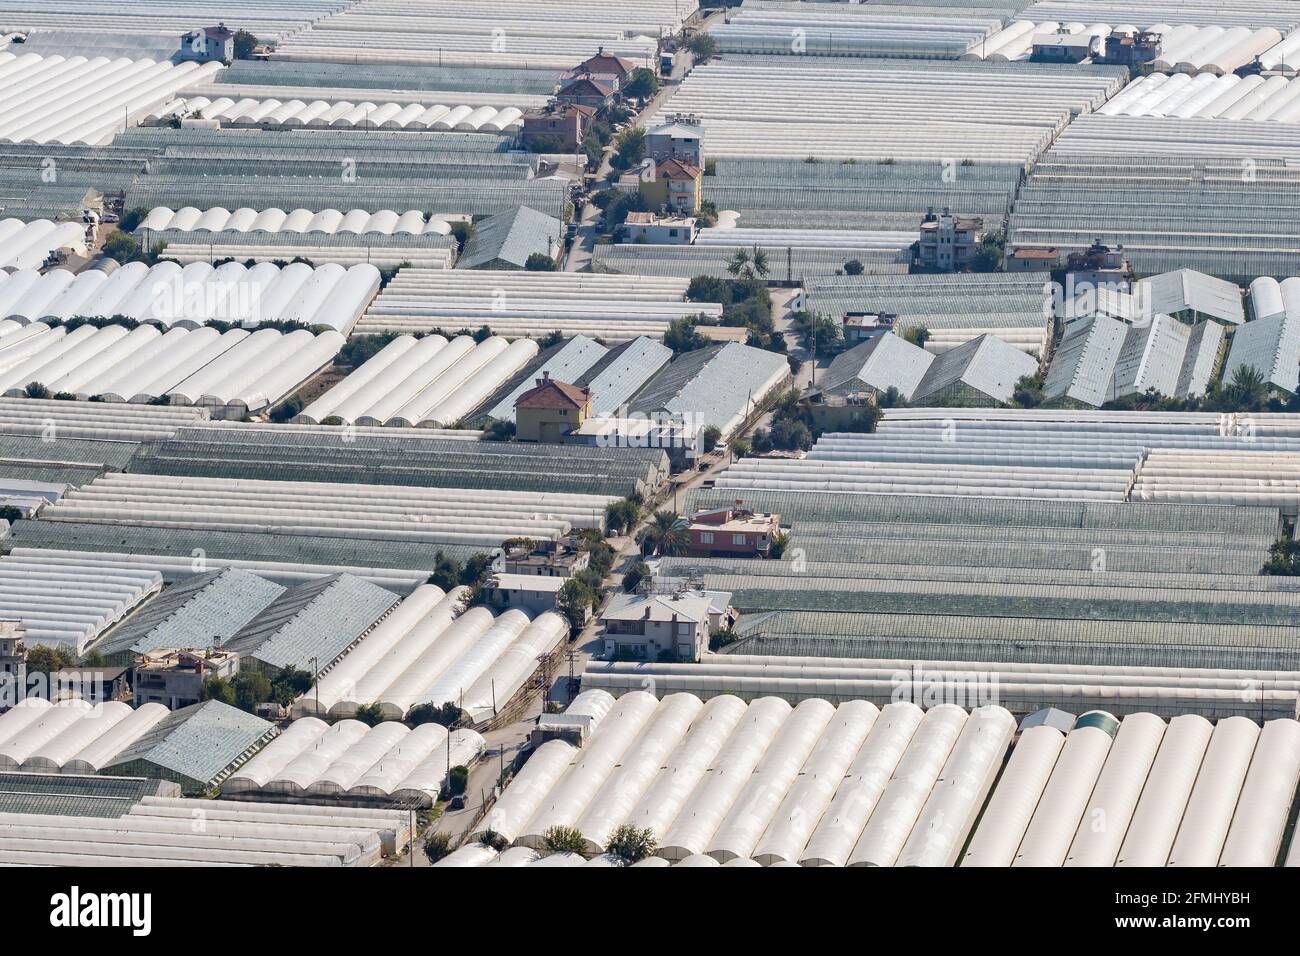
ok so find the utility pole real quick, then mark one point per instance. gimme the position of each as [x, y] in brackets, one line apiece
[315, 666]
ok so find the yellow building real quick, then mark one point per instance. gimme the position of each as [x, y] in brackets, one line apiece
[550, 410]
[676, 186]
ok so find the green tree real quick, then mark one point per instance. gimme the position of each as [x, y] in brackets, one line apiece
[712, 435]
[1283, 559]
[123, 247]
[987, 256]
[681, 335]
[641, 84]
[545, 143]
[853, 267]
[369, 714]
[214, 688]
[574, 600]
[632, 844]
[622, 515]
[918, 335]
[36, 390]
[1028, 392]
[635, 575]
[665, 535]
[629, 148]
[457, 780]
[245, 43]
[539, 262]
[132, 218]
[251, 689]
[447, 715]
[446, 572]
[702, 47]
[720, 639]
[289, 684]
[42, 659]
[564, 840]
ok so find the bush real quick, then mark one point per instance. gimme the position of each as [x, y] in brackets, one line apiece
[853, 267]
[540, 262]
[437, 846]
[499, 429]
[712, 435]
[632, 844]
[287, 409]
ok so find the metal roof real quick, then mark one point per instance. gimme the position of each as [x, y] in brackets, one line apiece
[883, 362]
[986, 365]
[617, 376]
[566, 364]
[320, 619]
[510, 237]
[198, 613]
[1085, 360]
[1270, 346]
[74, 795]
[1187, 289]
[194, 746]
[714, 385]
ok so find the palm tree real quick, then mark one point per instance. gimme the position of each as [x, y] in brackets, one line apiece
[739, 264]
[759, 259]
[665, 535]
[1248, 390]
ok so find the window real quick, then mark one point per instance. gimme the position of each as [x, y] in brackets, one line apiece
[683, 630]
[739, 539]
[706, 537]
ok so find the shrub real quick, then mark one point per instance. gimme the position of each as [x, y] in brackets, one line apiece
[437, 846]
[712, 435]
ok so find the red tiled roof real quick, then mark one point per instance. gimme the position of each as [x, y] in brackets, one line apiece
[676, 169]
[554, 394]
